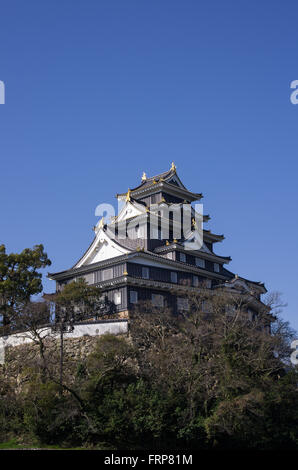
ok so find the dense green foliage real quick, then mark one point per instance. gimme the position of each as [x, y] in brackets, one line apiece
[19, 278]
[175, 383]
[209, 378]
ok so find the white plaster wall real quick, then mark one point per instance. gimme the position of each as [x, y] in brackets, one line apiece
[106, 251]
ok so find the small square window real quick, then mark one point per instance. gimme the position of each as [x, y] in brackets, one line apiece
[182, 304]
[200, 263]
[174, 277]
[157, 300]
[107, 274]
[216, 267]
[145, 273]
[182, 257]
[133, 297]
[117, 298]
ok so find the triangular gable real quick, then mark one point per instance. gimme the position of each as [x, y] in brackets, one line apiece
[176, 180]
[102, 248]
[130, 210]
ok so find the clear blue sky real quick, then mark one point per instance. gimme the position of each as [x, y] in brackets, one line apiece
[99, 91]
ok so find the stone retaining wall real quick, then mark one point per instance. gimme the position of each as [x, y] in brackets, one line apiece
[82, 331]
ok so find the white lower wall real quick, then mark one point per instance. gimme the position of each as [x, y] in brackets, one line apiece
[87, 329]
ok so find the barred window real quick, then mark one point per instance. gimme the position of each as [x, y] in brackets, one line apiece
[145, 273]
[157, 300]
[107, 274]
[117, 298]
[133, 297]
[182, 304]
[216, 267]
[200, 263]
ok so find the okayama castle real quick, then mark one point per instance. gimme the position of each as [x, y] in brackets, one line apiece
[155, 264]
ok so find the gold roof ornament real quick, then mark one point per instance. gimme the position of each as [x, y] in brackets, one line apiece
[163, 199]
[194, 223]
[101, 223]
[128, 195]
[144, 177]
[173, 167]
[125, 273]
[167, 243]
[175, 240]
[154, 182]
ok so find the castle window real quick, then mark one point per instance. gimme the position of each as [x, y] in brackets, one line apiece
[89, 278]
[216, 267]
[133, 297]
[200, 263]
[174, 278]
[182, 304]
[208, 283]
[183, 257]
[145, 272]
[117, 298]
[107, 274]
[170, 255]
[157, 300]
[195, 281]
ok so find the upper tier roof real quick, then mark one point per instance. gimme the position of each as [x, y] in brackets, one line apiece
[167, 181]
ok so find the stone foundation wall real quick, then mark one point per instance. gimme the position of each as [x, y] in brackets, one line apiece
[87, 329]
[20, 359]
[20, 352]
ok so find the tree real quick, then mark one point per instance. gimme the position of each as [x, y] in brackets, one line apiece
[207, 378]
[19, 279]
[32, 319]
[76, 302]
[234, 388]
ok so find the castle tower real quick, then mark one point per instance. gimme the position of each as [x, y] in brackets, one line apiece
[141, 256]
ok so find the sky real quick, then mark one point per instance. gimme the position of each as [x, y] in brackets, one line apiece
[98, 91]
